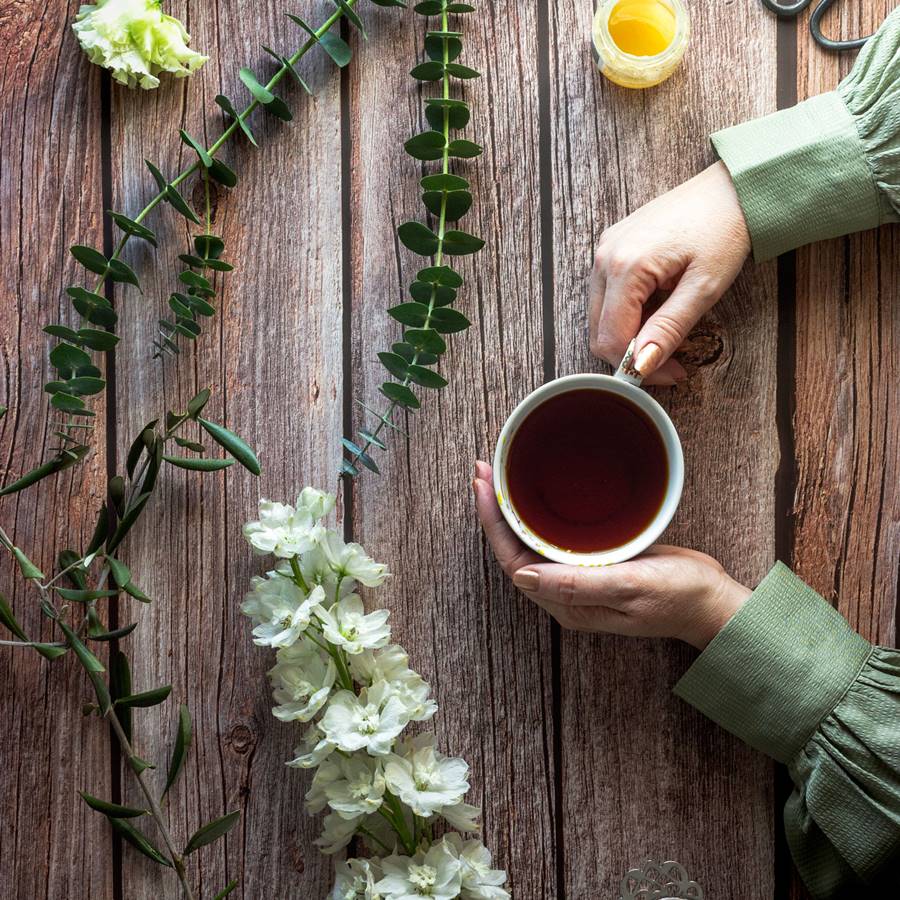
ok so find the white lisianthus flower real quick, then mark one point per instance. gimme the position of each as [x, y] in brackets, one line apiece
[284, 530]
[355, 879]
[351, 786]
[479, 880]
[302, 679]
[346, 625]
[462, 816]
[351, 561]
[281, 610]
[316, 503]
[434, 874]
[425, 780]
[312, 752]
[135, 41]
[370, 721]
[337, 833]
[390, 664]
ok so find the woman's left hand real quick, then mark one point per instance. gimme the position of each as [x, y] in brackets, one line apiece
[665, 592]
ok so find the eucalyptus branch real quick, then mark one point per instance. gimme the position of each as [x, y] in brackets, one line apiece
[446, 197]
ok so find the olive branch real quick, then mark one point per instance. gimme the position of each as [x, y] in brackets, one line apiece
[428, 316]
[67, 599]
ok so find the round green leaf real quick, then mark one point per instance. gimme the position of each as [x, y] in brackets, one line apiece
[93, 260]
[454, 204]
[400, 394]
[426, 339]
[395, 364]
[132, 228]
[414, 314]
[427, 377]
[448, 321]
[425, 146]
[428, 71]
[96, 339]
[65, 356]
[462, 71]
[459, 243]
[418, 238]
[218, 171]
[444, 183]
[440, 275]
[434, 45]
[463, 149]
[456, 111]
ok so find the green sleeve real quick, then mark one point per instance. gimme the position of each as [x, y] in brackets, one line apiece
[828, 166]
[790, 677]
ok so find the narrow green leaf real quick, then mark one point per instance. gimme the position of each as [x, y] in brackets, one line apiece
[179, 750]
[157, 175]
[139, 765]
[48, 651]
[134, 591]
[287, 64]
[128, 519]
[57, 464]
[120, 686]
[28, 568]
[132, 228]
[180, 204]
[85, 657]
[205, 159]
[427, 377]
[418, 238]
[351, 16]
[211, 831]
[225, 104]
[400, 394]
[139, 841]
[109, 809]
[459, 243]
[93, 260]
[77, 596]
[198, 464]
[144, 439]
[233, 884]
[218, 171]
[238, 448]
[9, 620]
[189, 445]
[145, 698]
[115, 634]
[120, 572]
[372, 439]
[395, 364]
[414, 314]
[196, 404]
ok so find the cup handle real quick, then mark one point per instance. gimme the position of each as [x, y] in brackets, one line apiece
[627, 371]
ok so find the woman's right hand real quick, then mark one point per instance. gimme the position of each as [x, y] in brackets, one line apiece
[691, 241]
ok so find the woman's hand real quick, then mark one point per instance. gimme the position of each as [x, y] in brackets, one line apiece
[666, 592]
[692, 242]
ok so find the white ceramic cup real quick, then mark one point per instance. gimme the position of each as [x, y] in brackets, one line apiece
[625, 383]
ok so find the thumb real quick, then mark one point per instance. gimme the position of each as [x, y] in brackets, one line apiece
[664, 332]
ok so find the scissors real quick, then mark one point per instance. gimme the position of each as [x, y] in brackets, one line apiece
[793, 10]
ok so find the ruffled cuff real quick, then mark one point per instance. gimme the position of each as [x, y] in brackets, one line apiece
[778, 668]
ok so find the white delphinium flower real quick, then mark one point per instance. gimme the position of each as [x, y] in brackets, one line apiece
[135, 41]
[425, 780]
[462, 816]
[434, 874]
[280, 610]
[316, 570]
[314, 749]
[479, 880]
[355, 879]
[369, 721]
[302, 679]
[391, 664]
[288, 531]
[346, 625]
[337, 832]
[351, 786]
[351, 561]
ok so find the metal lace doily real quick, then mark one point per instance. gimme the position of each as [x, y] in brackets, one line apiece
[660, 881]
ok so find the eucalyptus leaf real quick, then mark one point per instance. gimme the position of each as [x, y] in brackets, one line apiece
[427, 377]
[93, 260]
[426, 339]
[360, 455]
[237, 447]
[448, 321]
[455, 111]
[139, 841]
[347, 468]
[425, 146]
[351, 16]
[209, 246]
[96, 339]
[432, 294]
[157, 176]
[460, 71]
[400, 394]
[180, 748]
[218, 171]
[202, 153]
[429, 8]
[444, 182]
[86, 386]
[132, 228]
[63, 331]
[180, 204]
[69, 404]
[440, 275]
[211, 831]
[453, 204]
[428, 71]
[370, 438]
[225, 104]
[418, 238]
[436, 43]
[66, 356]
[459, 243]
[410, 353]
[464, 149]
[395, 364]
[415, 314]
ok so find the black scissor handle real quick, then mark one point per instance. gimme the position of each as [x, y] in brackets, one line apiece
[815, 23]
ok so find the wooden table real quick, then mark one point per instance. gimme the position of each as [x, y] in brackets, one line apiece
[583, 760]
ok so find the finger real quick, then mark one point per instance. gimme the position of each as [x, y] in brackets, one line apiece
[587, 618]
[597, 290]
[619, 317]
[665, 331]
[511, 553]
[579, 586]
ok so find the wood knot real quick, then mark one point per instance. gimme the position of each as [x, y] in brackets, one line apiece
[703, 346]
[240, 739]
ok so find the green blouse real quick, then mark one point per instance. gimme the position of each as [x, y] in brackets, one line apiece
[787, 674]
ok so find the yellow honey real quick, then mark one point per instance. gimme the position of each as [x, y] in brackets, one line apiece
[640, 43]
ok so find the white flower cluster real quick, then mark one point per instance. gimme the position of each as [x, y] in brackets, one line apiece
[337, 671]
[136, 41]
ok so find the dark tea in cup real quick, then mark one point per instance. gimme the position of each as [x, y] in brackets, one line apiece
[587, 470]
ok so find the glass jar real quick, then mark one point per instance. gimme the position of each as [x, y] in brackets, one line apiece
[640, 43]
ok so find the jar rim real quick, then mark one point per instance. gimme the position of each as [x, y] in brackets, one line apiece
[675, 46]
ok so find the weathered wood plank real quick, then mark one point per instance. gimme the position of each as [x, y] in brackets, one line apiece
[51, 845]
[847, 441]
[643, 774]
[272, 357]
[486, 652]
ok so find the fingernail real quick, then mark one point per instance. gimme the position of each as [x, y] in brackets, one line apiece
[526, 580]
[648, 358]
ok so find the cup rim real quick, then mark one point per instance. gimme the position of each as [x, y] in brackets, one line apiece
[671, 443]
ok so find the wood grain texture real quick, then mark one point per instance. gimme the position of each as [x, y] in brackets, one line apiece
[643, 775]
[846, 514]
[51, 844]
[485, 651]
[273, 359]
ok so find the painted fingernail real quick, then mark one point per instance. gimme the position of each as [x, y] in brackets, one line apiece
[526, 580]
[648, 358]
